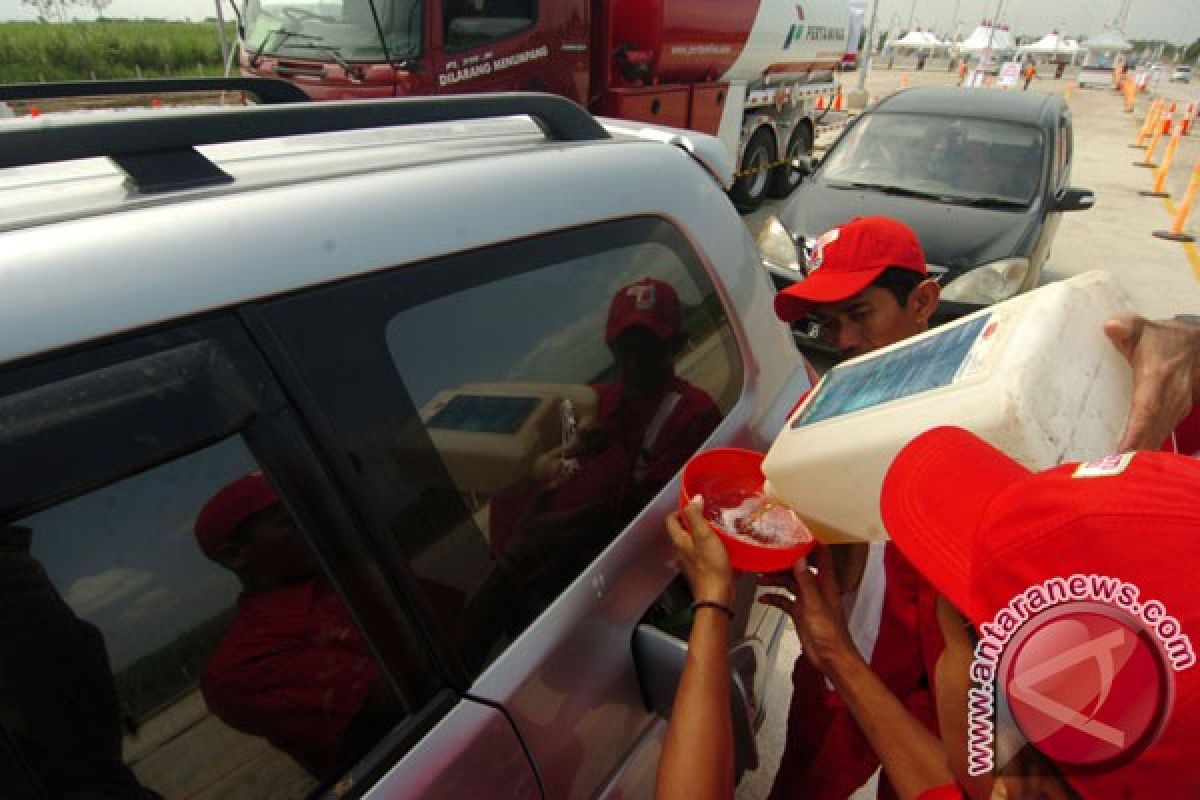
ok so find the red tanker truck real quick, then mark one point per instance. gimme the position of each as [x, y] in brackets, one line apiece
[748, 71]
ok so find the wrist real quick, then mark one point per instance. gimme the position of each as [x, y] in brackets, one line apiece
[844, 664]
[715, 591]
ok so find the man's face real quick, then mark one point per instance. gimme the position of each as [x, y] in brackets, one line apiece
[873, 318]
[266, 550]
[643, 360]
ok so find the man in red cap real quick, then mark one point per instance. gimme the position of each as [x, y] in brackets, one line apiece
[869, 286]
[647, 424]
[292, 668]
[1007, 526]
[1069, 579]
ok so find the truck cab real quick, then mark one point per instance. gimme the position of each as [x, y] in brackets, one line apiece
[356, 48]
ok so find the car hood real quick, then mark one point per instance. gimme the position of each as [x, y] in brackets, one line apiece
[956, 237]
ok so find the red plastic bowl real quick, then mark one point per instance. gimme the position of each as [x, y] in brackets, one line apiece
[725, 477]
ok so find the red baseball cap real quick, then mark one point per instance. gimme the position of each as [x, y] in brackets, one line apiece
[229, 508]
[650, 303]
[847, 259]
[983, 530]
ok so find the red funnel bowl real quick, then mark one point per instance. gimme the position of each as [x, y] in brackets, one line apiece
[725, 477]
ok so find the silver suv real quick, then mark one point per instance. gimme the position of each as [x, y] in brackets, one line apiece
[337, 440]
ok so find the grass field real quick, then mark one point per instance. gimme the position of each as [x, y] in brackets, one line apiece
[33, 51]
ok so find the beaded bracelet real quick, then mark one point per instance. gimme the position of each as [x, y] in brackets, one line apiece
[712, 604]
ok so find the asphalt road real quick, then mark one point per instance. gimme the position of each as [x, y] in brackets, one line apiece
[1161, 278]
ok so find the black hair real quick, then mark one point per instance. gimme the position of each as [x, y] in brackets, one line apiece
[900, 282]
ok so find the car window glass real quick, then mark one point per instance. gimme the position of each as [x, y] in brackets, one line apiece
[949, 157]
[561, 400]
[174, 631]
[473, 23]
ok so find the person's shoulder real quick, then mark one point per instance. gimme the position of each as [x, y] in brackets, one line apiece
[693, 393]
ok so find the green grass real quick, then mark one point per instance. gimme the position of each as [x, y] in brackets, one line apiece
[33, 51]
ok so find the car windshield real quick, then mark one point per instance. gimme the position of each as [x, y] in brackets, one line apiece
[329, 30]
[952, 159]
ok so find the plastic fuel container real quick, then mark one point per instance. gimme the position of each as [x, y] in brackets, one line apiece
[1035, 376]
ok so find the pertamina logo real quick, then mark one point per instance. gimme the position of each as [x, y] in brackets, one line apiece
[815, 249]
[796, 31]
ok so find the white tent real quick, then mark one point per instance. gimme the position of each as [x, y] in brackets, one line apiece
[918, 40]
[1052, 44]
[1000, 39]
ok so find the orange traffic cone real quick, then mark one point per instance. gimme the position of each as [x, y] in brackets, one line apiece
[820, 101]
[1159, 189]
[1186, 122]
[1168, 119]
[1176, 234]
[1147, 161]
[155, 103]
[33, 111]
[1151, 121]
[905, 82]
[837, 100]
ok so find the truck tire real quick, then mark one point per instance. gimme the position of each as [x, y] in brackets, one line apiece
[783, 178]
[750, 190]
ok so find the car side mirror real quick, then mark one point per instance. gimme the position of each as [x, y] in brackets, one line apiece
[1075, 200]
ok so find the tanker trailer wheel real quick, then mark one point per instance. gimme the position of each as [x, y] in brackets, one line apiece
[783, 178]
[751, 189]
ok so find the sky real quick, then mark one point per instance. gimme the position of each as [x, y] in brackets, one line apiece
[1176, 21]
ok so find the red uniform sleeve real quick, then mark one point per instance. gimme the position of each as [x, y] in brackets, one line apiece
[950, 792]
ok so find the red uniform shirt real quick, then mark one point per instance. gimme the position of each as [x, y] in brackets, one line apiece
[826, 755]
[646, 441]
[292, 668]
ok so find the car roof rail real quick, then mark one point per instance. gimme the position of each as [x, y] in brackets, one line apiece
[268, 90]
[157, 151]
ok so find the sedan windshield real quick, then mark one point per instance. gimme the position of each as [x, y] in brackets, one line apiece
[951, 159]
[333, 30]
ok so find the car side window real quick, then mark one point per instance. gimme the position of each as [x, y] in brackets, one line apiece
[474, 23]
[167, 627]
[518, 405]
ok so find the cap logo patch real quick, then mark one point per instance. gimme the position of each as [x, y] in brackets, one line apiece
[1105, 467]
[644, 296]
[816, 249]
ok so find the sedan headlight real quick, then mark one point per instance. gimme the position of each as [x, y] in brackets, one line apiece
[990, 283]
[778, 249]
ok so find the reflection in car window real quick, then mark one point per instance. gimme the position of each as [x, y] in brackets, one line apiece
[560, 401]
[958, 157]
[178, 636]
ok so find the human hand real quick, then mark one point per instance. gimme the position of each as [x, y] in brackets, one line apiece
[552, 468]
[1165, 357]
[815, 606]
[701, 556]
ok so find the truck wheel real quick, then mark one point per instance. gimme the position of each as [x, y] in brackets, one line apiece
[783, 178]
[751, 189]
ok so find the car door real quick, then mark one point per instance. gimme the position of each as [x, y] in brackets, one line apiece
[511, 45]
[437, 389]
[189, 606]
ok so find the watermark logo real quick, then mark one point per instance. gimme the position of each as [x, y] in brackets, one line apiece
[1084, 671]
